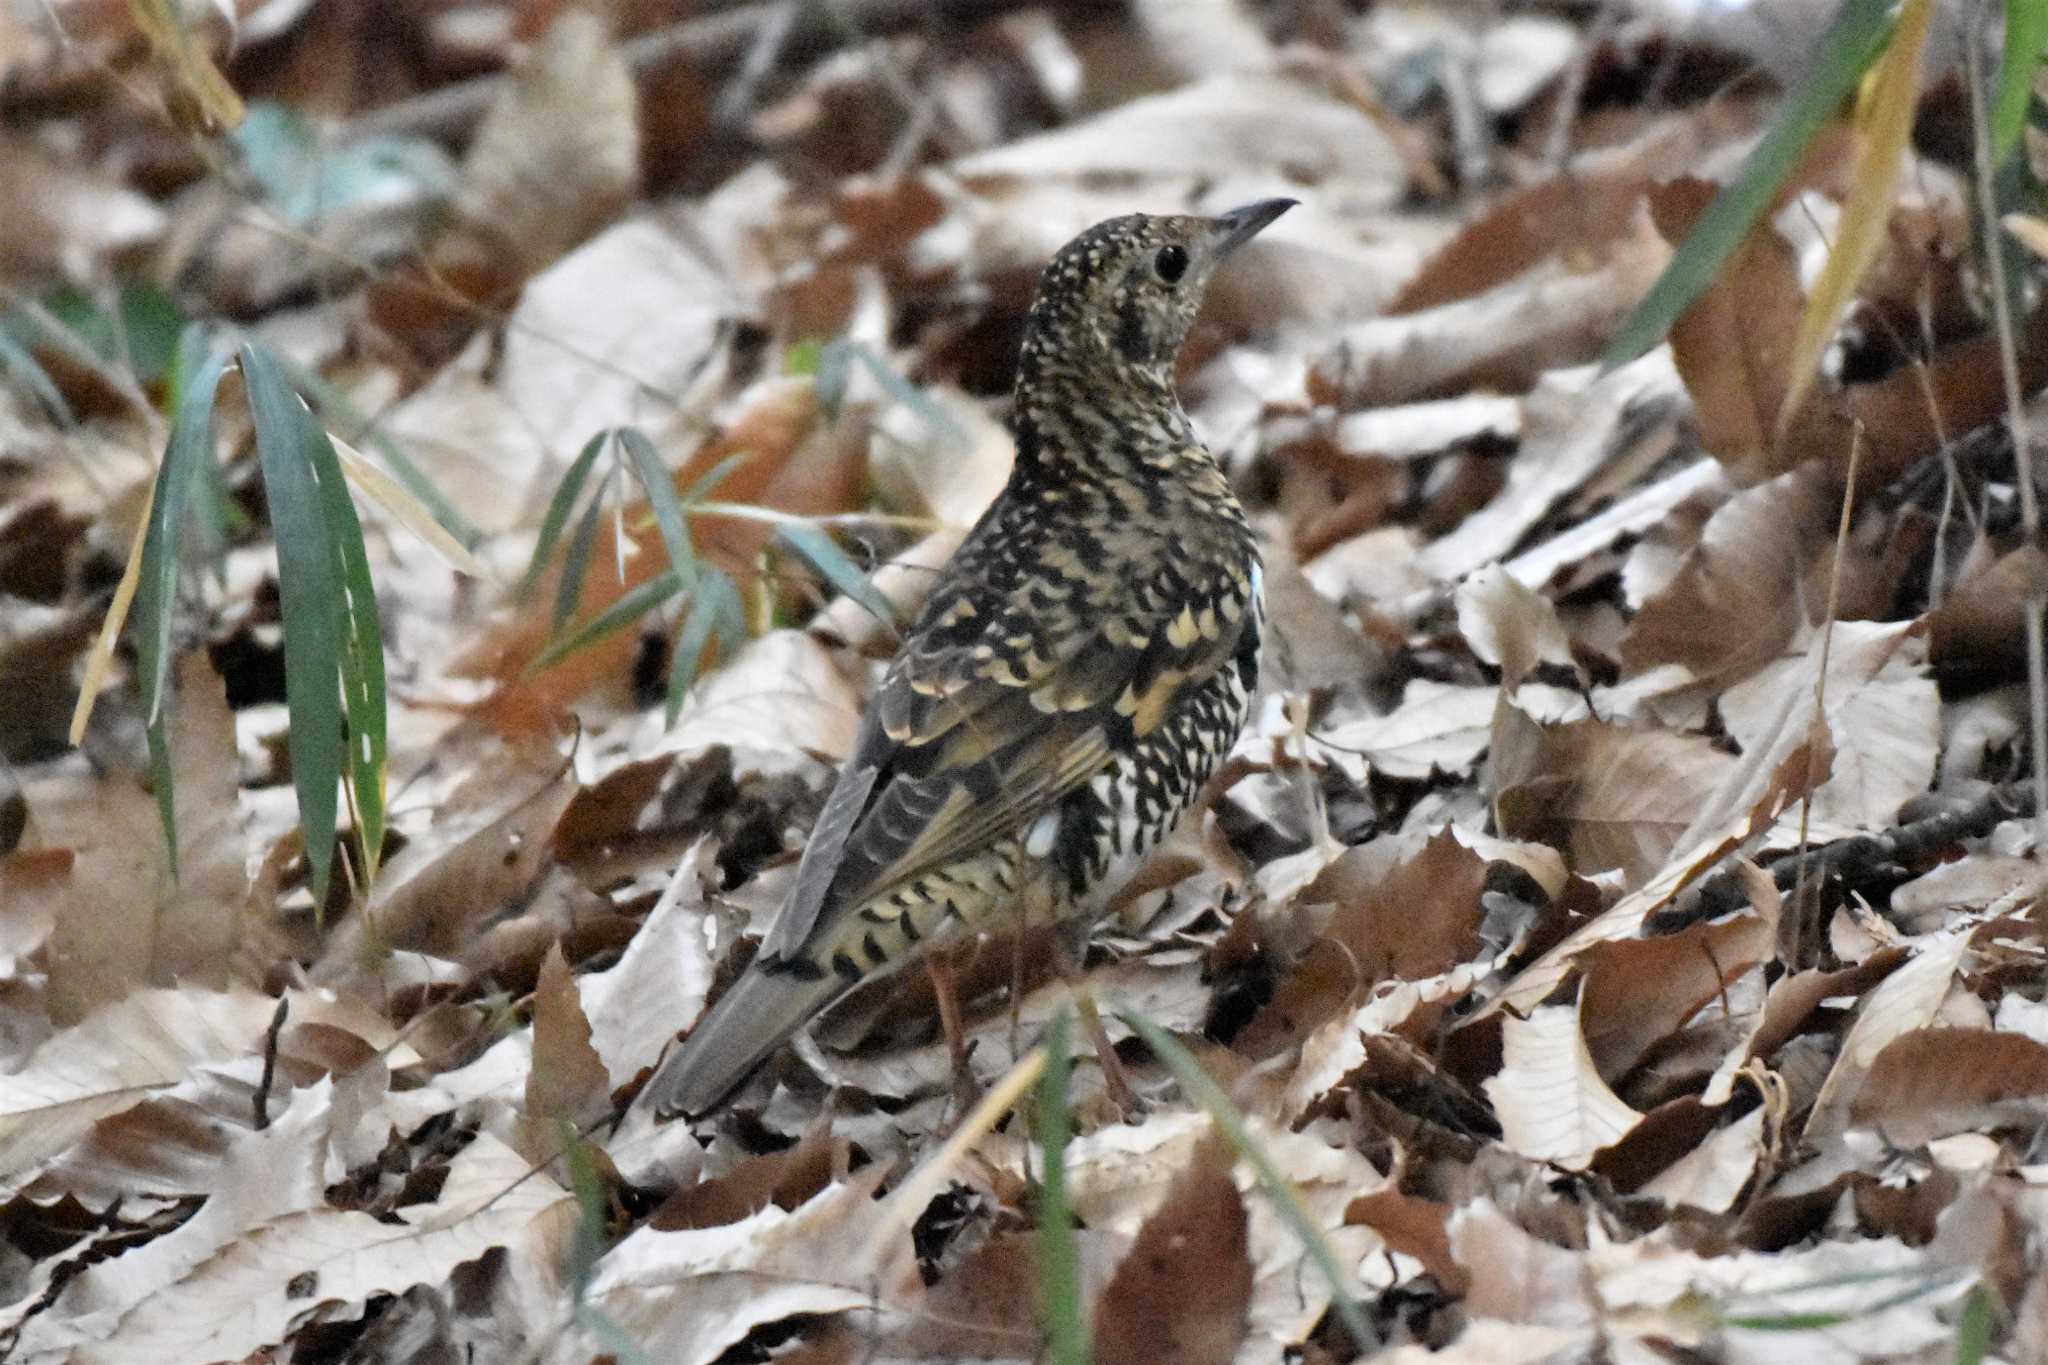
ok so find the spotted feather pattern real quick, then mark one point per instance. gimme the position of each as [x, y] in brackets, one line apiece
[1079, 670]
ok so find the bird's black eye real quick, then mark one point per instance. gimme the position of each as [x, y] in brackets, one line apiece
[1171, 263]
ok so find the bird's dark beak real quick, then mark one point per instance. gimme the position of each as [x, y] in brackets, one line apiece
[1241, 225]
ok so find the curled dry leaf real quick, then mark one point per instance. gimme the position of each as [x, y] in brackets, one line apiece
[1639, 992]
[1511, 337]
[1410, 924]
[483, 847]
[1586, 211]
[1511, 627]
[1908, 999]
[1576, 422]
[1225, 125]
[1713, 1175]
[1552, 1103]
[1438, 727]
[1735, 600]
[1616, 798]
[1881, 706]
[693, 1293]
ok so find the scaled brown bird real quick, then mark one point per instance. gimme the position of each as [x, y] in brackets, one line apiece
[1080, 668]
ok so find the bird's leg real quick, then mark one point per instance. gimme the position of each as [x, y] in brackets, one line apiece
[946, 987]
[1113, 1079]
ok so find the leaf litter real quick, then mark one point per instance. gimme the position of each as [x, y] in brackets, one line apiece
[1619, 927]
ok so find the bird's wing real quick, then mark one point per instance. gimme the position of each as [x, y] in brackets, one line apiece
[970, 737]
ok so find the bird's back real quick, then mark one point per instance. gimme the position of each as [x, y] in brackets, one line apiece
[1079, 669]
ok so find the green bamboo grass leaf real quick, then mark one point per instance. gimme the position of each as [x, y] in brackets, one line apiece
[633, 604]
[186, 456]
[559, 507]
[832, 369]
[310, 596]
[1852, 43]
[907, 393]
[823, 554]
[714, 610]
[362, 640]
[335, 407]
[188, 459]
[660, 487]
[1059, 1265]
[218, 514]
[576, 563]
[714, 476]
[1204, 1091]
[2026, 47]
[1973, 1331]
[16, 360]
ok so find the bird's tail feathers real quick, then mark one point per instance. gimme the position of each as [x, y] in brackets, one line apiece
[750, 1021]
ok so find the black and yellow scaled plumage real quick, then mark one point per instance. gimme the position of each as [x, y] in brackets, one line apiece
[1082, 665]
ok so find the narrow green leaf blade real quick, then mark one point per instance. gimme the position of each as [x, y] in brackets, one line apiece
[823, 554]
[16, 360]
[1203, 1090]
[907, 393]
[713, 609]
[1059, 1264]
[1851, 44]
[633, 604]
[576, 563]
[559, 507]
[834, 368]
[2026, 47]
[187, 456]
[334, 406]
[362, 640]
[310, 596]
[660, 488]
[714, 476]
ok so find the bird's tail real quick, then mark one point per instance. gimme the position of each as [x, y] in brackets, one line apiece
[750, 1021]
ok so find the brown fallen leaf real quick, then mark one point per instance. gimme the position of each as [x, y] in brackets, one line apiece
[1613, 797]
[1179, 1297]
[1733, 603]
[1936, 1080]
[568, 1083]
[1410, 924]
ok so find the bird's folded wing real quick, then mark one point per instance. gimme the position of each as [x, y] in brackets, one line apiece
[957, 750]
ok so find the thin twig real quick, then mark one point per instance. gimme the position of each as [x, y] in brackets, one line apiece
[261, 1115]
[1859, 860]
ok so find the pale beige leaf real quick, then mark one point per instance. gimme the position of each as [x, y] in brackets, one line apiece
[1549, 1097]
[1437, 727]
[1712, 1175]
[2031, 232]
[1882, 709]
[116, 1058]
[558, 154]
[1509, 626]
[245, 1297]
[657, 988]
[1573, 427]
[1910, 998]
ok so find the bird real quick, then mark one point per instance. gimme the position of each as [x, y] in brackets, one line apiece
[1081, 666]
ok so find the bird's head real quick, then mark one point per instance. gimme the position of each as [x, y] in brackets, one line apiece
[1121, 297]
